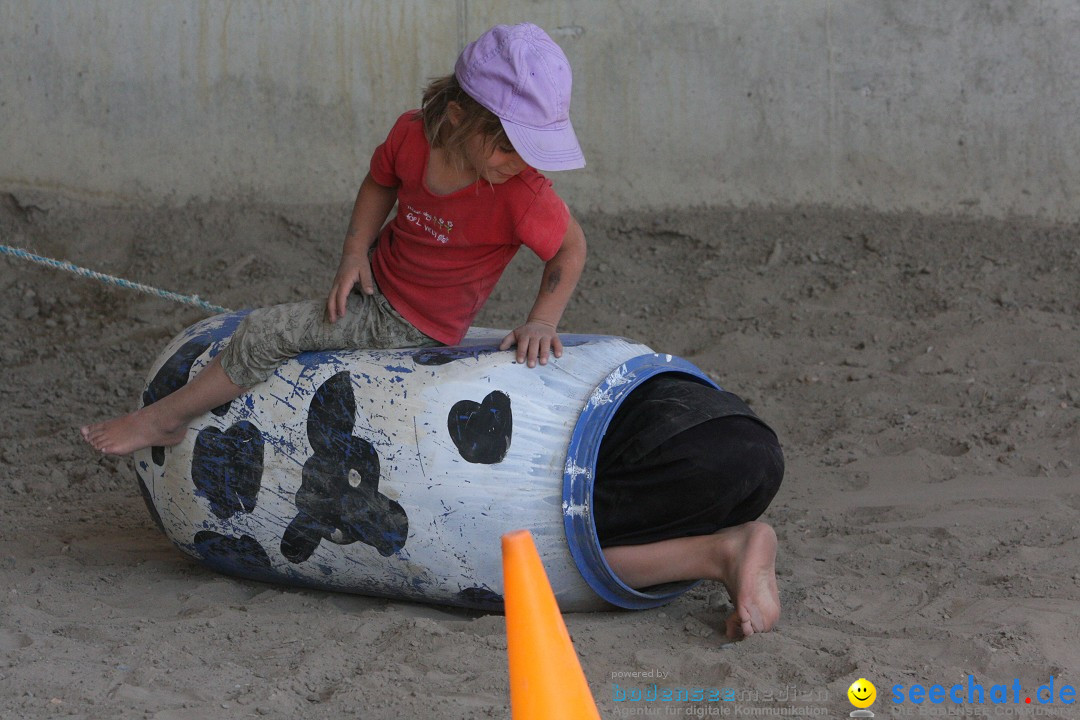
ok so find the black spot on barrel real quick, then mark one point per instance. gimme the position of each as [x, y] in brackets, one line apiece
[481, 431]
[482, 598]
[444, 355]
[242, 556]
[329, 506]
[173, 375]
[227, 468]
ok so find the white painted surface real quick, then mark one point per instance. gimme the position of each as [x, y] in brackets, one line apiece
[457, 510]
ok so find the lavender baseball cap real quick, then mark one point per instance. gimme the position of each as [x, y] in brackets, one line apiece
[521, 75]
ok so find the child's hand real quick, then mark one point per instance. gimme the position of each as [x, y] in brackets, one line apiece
[534, 340]
[353, 270]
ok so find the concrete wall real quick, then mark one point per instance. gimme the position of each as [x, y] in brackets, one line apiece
[966, 106]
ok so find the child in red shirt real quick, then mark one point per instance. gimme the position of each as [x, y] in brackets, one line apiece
[462, 171]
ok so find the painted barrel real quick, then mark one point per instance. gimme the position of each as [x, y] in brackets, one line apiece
[395, 472]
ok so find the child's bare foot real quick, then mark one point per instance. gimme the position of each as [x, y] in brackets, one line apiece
[743, 558]
[748, 555]
[131, 432]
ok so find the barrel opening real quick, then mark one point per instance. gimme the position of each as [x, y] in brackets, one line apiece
[580, 474]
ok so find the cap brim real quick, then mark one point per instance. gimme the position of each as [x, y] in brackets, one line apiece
[546, 149]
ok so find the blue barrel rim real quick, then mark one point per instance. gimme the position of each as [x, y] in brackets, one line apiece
[579, 476]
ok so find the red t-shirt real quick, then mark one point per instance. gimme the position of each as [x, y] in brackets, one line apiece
[440, 257]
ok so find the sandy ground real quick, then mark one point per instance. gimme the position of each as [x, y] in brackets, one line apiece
[923, 374]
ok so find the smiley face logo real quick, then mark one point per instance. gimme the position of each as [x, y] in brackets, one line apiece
[862, 693]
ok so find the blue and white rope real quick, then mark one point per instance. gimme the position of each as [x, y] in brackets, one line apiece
[111, 279]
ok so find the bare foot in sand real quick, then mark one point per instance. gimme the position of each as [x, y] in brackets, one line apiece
[743, 558]
[134, 431]
[747, 554]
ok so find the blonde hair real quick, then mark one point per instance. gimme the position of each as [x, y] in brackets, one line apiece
[441, 133]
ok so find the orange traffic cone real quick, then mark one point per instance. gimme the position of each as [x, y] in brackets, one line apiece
[546, 681]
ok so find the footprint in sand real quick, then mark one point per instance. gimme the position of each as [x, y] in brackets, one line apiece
[13, 641]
